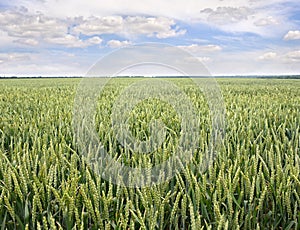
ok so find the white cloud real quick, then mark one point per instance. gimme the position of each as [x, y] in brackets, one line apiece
[5, 40]
[204, 59]
[176, 9]
[227, 15]
[27, 41]
[13, 57]
[94, 40]
[284, 57]
[292, 35]
[33, 29]
[26, 25]
[171, 33]
[248, 63]
[220, 12]
[52, 23]
[293, 56]
[259, 17]
[194, 48]
[96, 25]
[263, 21]
[159, 27]
[73, 41]
[43, 63]
[266, 21]
[268, 56]
[117, 43]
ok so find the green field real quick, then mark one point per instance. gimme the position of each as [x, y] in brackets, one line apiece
[253, 183]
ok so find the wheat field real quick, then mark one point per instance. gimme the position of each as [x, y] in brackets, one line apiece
[253, 182]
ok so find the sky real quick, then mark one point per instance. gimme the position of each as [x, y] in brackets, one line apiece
[230, 37]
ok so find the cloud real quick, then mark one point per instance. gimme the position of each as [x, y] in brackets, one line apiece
[72, 41]
[266, 21]
[248, 15]
[268, 56]
[27, 41]
[117, 43]
[13, 57]
[292, 35]
[204, 59]
[177, 9]
[293, 56]
[33, 29]
[48, 26]
[26, 25]
[187, 10]
[227, 15]
[94, 40]
[96, 25]
[248, 63]
[284, 57]
[194, 48]
[159, 27]
[43, 63]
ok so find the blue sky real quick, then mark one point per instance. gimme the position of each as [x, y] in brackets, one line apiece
[66, 37]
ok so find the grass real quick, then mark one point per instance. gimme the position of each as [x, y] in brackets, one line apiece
[253, 183]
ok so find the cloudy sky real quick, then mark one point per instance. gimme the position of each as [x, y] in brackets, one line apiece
[230, 37]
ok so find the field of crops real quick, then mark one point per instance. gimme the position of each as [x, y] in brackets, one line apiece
[253, 182]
